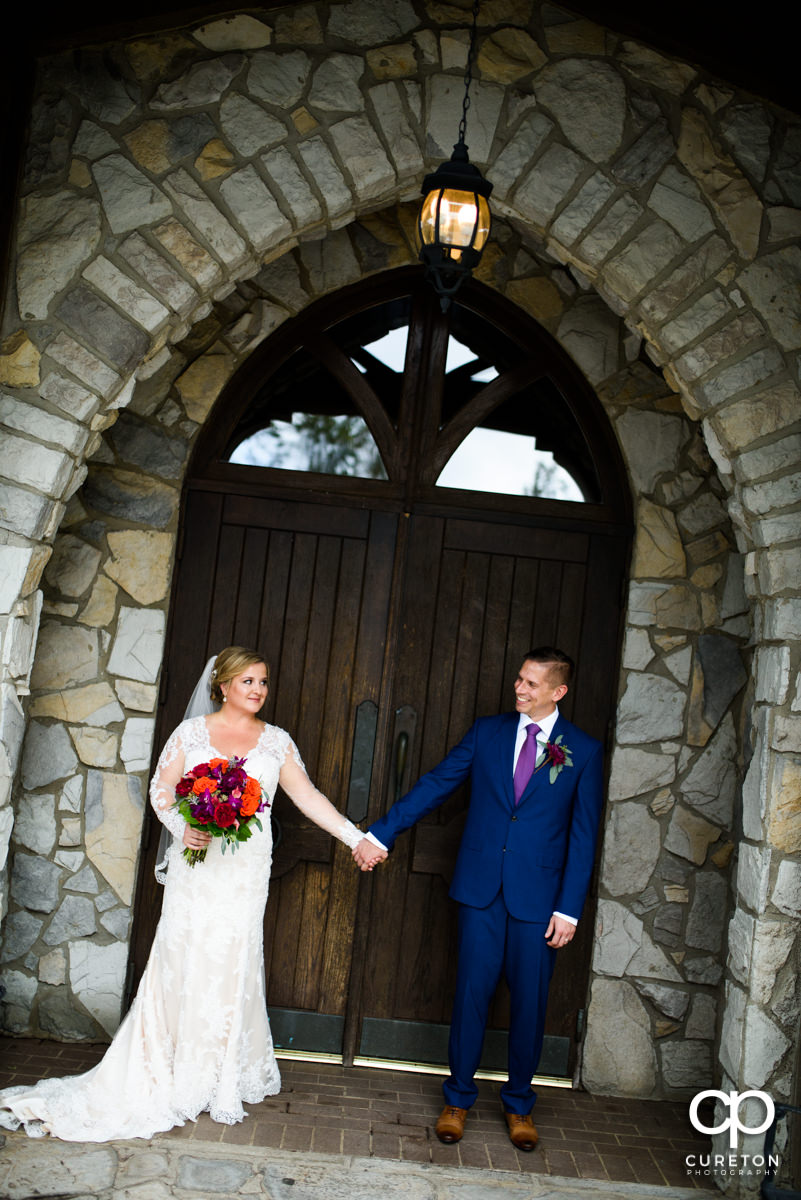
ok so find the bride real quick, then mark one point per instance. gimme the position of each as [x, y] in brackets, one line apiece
[197, 1037]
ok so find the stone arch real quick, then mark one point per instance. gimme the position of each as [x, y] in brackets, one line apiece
[208, 155]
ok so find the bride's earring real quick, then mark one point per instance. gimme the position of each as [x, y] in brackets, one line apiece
[224, 697]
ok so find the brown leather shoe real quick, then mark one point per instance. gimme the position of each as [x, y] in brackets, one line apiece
[521, 1130]
[450, 1125]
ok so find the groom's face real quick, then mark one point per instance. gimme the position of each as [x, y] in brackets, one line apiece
[536, 691]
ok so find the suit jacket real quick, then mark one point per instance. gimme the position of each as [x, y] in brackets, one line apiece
[542, 851]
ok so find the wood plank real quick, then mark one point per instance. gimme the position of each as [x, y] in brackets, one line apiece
[492, 537]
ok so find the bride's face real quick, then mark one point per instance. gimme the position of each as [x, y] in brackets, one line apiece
[247, 691]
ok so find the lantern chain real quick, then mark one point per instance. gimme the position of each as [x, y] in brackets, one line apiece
[468, 75]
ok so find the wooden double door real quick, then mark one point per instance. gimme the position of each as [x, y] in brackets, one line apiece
[391, 620]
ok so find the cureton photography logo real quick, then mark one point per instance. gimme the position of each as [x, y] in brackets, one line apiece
[732, 1163]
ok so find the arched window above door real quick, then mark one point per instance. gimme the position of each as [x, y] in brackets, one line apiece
[376, 384]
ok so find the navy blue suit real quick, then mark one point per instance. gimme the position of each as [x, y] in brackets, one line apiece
[516, 866]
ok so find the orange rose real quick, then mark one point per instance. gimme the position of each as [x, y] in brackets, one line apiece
[251, 798]
[218, 762]
[204, 784]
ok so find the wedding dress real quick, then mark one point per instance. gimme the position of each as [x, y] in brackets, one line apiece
[197, 1037]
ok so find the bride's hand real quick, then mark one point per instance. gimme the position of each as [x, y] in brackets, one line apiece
[196, 839]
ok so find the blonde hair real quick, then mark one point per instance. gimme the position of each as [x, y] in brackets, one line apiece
[229, 663]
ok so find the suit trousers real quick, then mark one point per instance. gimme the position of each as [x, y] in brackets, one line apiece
[492, 942]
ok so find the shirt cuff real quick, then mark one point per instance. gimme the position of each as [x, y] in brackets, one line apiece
[376, 842]
[564, 916]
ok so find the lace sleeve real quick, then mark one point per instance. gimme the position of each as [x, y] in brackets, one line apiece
[169, 770]
[313, 804]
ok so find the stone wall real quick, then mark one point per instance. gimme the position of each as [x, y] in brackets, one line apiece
[648, 205]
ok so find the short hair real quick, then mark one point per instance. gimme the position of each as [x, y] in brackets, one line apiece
[229, 663]
[561, 664]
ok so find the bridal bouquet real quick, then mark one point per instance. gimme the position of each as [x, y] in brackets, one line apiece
[221, 798]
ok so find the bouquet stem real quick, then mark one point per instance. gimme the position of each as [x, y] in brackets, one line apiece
[195, 856]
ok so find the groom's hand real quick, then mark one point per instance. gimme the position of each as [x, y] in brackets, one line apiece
[367, 855]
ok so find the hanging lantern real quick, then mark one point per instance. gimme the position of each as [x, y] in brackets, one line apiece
[454, 221]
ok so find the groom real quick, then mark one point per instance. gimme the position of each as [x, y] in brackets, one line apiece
[521, 875]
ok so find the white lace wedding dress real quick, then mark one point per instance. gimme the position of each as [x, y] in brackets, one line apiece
[197, 1037]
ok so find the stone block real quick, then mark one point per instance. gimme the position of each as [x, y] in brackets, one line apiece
[786, 894]
[636, 772]
[47, 755]
[35, 883]
[588, 99]
[772, 673]
[677, 199]
[59, 1016]
[73, 566]
[643, 258]
[727, 189]
[36, 466]
[780, 569]
[687, 1066]
[509, 55]
[162, 279]
[762, 498]
[137, 743]
[140, 563]
[690, 836]
[94, 704]
[769, 459]
[710, 785]
[66, 655]
[20, 931]
[17, 1001]
[710, 308]
[247, 127]
[97, 977]
[773, 284]
[704, 970]
[58, 233]
[201, 84]
[75, 918]
[631, 848]
[693, 273]
[100, 607]
[116, 922]
[254, 208]
[679, 663]
[400, 137]
[130, 200]
[287, 178]
[53, 968]
[547, 184]
[299, 26]
[392, 62]
[331, 263]
[280, 79]
[114, 814]
[610, 230]
[86, 366]
[71, 833]
[637, 650]
[210, 223]
[517, 153]
[42, 425]
[139, 696]
[619, 1056]
[138, 303]
[19, 361]
[656, 69]
[35, 823]
[707, 917]
[673, 1002]
[241, 32]
[203, 380]
[83, 880]
[587, 203]
[322, 166]
[764, 1046]
[130, 496]
[783, 619]
[137, 648]
[335, 84]
[96, 747]
[364, 23]
[702, 1021]
[740, 944]
[363, 157]
[214, 160]
[591, 334]
[138, 444]
[784, 803]
[772, 945]
[651, 442]
[658, 549]
[213, 1175]
[650, 710]
[647, 155]
[116, 338]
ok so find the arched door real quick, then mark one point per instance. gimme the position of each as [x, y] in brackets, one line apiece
[375, 504]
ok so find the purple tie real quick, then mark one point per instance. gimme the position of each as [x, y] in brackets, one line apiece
[525, 761]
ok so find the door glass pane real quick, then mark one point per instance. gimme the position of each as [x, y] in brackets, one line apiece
[492, 460]
[320, 442]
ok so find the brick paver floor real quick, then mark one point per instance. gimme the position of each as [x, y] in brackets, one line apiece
[364, 1111]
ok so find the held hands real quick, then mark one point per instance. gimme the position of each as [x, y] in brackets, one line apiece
[196, 839]
[367, 855]
[559, 932]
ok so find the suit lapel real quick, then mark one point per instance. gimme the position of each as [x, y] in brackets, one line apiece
[506, 756]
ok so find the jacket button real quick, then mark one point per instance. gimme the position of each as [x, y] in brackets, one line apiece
[514, 818]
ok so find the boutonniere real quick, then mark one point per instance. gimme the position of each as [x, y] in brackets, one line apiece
[557, 756]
